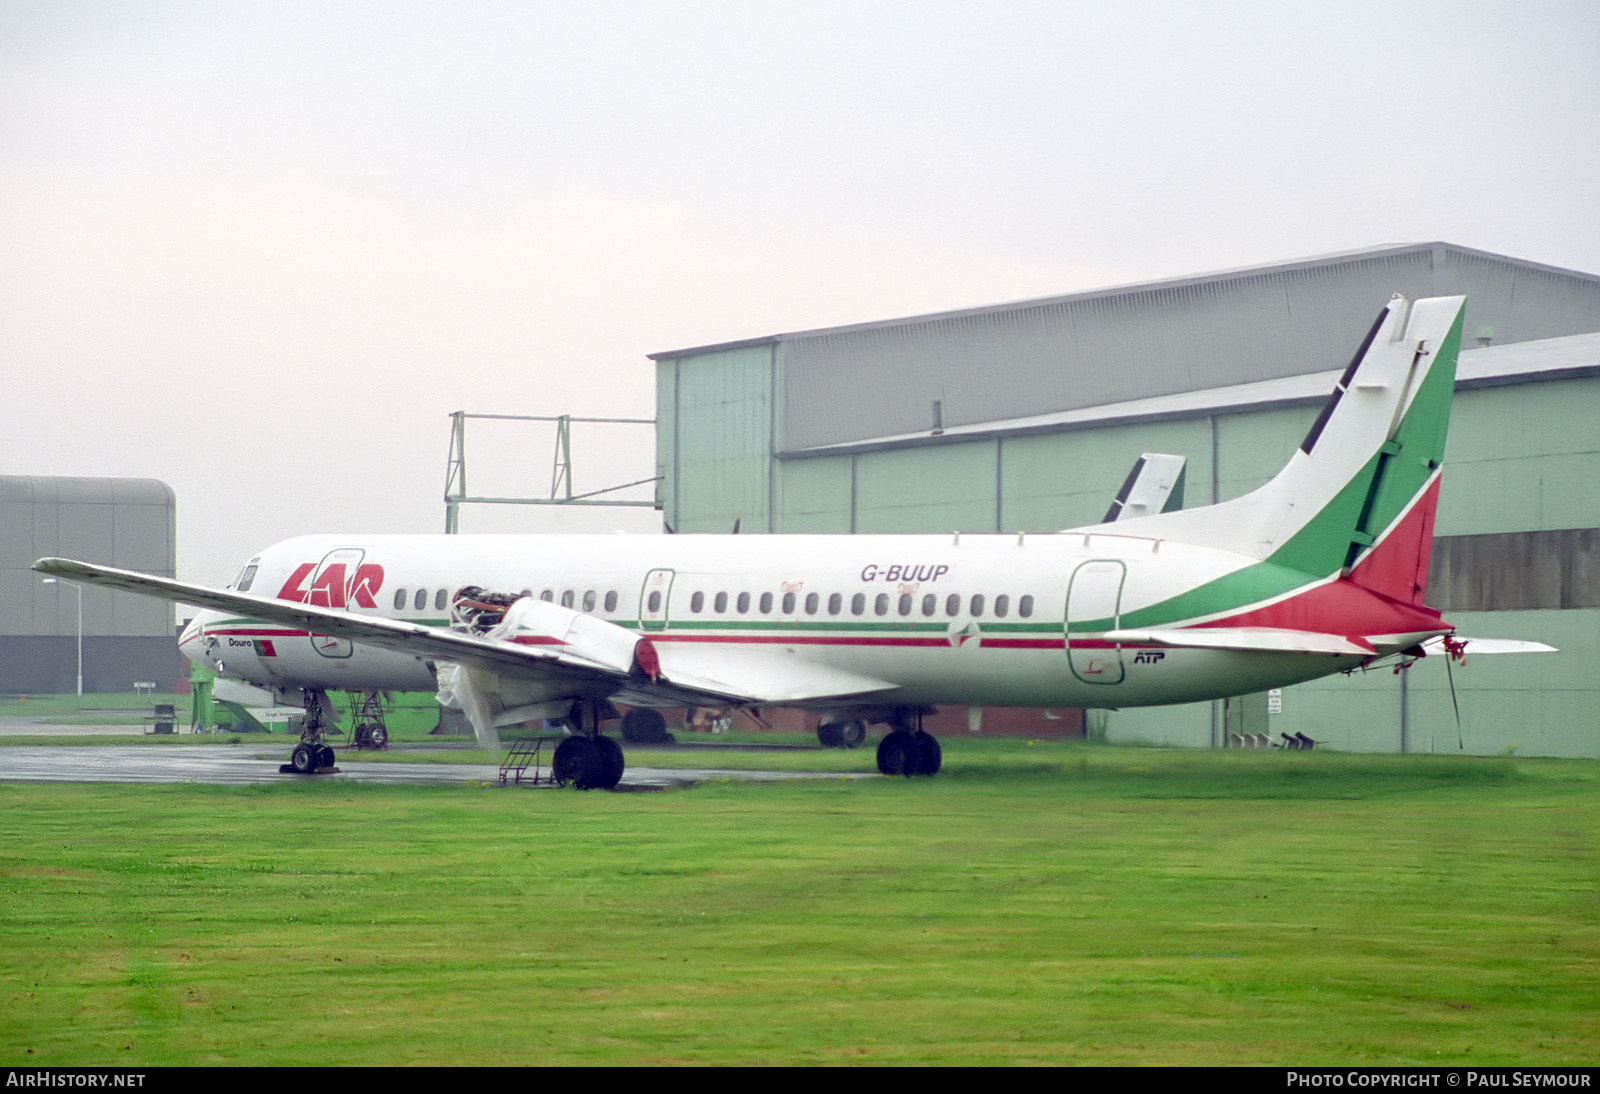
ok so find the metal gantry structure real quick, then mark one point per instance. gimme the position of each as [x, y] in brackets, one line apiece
[455, 485]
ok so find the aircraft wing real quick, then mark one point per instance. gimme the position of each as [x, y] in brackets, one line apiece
[580, 654]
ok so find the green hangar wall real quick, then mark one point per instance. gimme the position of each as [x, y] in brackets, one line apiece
[1219, 369]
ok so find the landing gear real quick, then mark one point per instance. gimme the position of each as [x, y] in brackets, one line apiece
[588, 760]
[643, 726]
[908, 749]
[367, 712]
[841, 734]
[312, 754]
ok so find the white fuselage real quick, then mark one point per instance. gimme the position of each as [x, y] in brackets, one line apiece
[968, 619]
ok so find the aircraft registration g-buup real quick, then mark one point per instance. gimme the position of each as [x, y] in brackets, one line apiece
[1320, 570]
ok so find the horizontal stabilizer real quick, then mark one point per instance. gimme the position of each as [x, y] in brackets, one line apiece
[1489, 645]
[1245, 639]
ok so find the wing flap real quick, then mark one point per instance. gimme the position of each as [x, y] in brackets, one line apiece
[774, 676]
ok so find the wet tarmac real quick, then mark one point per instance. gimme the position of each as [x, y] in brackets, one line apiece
[258, 761]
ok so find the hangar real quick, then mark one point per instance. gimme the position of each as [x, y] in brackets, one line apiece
[125, 639]
[1027, 416]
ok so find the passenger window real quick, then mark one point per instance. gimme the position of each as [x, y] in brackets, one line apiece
[743, 603]
[952, 604]
[858, 604]
[438, 600]
[880, 605]
[812, 603]
[588, 600]
[697, 602]
[548, 595]
[1025, 607]
[720, 605]
[1002, 605]
[611, 600]
[905, 603]
[655, 603]
[420, 601]
[930, 604]
[788, 603]
[977, 604]
[835, 603]
[766, 603]
[526, 592]
[566, 598]
[399, 600]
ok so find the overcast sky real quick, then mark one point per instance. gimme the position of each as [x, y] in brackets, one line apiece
[260, 251]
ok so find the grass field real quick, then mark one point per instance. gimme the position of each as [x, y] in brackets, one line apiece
[1044, 903]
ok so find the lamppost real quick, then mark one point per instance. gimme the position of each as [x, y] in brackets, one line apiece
[75, 585]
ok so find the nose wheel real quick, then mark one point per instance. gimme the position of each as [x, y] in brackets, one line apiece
[313, 754]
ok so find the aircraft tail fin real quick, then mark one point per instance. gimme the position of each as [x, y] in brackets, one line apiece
[1358, 496]
[1155, 485]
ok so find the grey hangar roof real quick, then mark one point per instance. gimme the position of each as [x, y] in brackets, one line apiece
[1264, 335]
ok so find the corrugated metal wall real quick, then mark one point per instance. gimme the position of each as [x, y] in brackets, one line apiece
[129, 523]
[717, 458]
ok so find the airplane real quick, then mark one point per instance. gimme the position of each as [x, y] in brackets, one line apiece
[1321, 570]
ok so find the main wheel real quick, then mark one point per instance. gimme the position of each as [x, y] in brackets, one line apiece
[578, 763]
[898, 754]
[612, 763]
[829, 735]
[378, 737]
[643, 726]
[325, 757]
[851, 734]
[930, 756]
[303, 759]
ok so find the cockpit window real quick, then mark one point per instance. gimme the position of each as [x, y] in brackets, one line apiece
[245, 578]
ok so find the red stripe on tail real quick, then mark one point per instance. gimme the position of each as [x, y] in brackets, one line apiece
[1397, 565]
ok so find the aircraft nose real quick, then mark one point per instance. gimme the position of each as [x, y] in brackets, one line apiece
[192, 642]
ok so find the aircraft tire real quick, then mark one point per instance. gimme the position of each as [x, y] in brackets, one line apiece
[930, 757]
[577, 762]
[829, 735]
[325, 756]
[612, 763]
[851, 734]
[898, 754]
[643, 726]
[378, 737]
[303, 759]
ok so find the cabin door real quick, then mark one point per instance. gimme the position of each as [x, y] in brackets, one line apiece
[330, 588]
[1094, 606]
[654, 598]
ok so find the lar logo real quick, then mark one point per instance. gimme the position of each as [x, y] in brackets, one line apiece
[332, 588]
